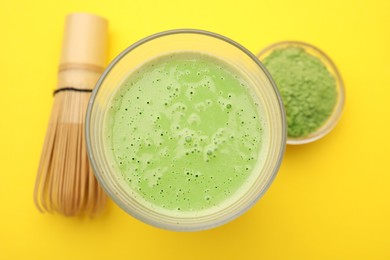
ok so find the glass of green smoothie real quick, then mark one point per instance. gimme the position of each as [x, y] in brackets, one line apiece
[185, 130]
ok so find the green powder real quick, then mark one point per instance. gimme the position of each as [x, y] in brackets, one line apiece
[308, 89]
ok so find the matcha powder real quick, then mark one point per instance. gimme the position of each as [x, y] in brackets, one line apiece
[307, 88]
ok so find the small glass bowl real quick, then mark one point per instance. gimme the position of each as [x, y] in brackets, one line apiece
[158, 44]
[331, 122]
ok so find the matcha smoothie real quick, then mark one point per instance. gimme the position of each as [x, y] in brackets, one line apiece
[185, 133]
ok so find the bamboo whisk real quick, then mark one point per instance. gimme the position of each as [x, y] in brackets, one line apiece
[65, 182]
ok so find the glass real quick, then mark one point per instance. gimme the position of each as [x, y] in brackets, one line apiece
[176, 41]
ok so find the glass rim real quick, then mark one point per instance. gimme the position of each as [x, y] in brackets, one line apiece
[334, 118]
[108, 190]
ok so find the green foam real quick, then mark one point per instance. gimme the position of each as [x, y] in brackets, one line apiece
[185, 132]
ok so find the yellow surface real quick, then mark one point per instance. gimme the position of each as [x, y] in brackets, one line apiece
[330, 200]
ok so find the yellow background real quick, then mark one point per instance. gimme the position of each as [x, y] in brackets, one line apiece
[330, 200]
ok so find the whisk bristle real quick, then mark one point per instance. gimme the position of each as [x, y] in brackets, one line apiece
[65, 182]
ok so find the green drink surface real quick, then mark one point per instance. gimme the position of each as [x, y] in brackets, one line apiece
[185, 132]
